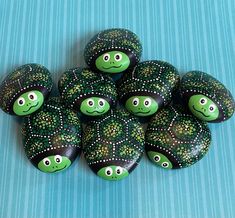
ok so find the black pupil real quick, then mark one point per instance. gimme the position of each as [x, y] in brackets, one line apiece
[146, 103]
[118, 171]
[90, 103]
[101, 103]
[203, 101]
[47, 162]
[106, 57]
[135, 102]
[211, 108]
[108, 172]
[21, 102]
[156, 158]
[57, 160]
[117, 57]
[31, 97]
[165, 164]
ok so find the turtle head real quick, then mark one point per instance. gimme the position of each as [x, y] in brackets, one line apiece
[160, 159]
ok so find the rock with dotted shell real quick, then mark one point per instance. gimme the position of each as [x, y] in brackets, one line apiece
[24, 90]
[113, 50]
[148, 87]
[206, 97]
[86, 91]
[113, 144]
[176, 139]
[52, 137]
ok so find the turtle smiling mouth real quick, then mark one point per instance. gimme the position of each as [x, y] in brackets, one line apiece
[95, 112]
[59, 169]
[200, 112]
[112, 67]
[31, 107]
[141, 112]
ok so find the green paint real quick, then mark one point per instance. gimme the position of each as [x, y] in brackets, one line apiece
[112, 62]
[54, 163]
[113, 173]
[203, 107]
[160, 159]
[141, 105]
[28, 103]
[94, 106]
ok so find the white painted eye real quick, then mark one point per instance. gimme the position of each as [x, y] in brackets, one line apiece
[118, 57]
[157, 158]
[109, 171]
[135, 102]
[58, 159]
[46, 162]
[101, 102]
[212, 108]
[165, 164]
[90, 102]
[119, 170]
[106, 57]
[147, 102]
[203, 101]
[21, 101]
[32, 96]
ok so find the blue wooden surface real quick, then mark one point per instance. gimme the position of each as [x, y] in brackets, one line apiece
[189, 34]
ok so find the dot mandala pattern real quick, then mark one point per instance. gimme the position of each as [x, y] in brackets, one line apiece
[52, 129]
[157, 79]
[115, 138]
[25, 78]
[77, 84]
[181, 137]
[197, 82]
[113, 39]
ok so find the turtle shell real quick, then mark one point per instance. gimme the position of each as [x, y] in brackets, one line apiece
[113, 39]
[77, 84]
[53, 130]
[115, 138]
[23, 79]
[179, 136]
[156, 79]
[197, 82]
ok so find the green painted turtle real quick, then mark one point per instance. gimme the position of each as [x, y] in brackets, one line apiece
[148, 88]
[175, 139]
[206, 97]
[24, 90]
[87, 92]
[113, 144]
[113, 51]
[52, 137]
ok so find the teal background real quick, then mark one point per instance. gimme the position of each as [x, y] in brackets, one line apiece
[197, 34]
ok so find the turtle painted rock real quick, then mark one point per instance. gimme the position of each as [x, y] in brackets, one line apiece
[176, 139]
[206, 97]
[24, 90]
[113, 51]
[87, 92]
[148, 87]
[113, 144]
[52, 137]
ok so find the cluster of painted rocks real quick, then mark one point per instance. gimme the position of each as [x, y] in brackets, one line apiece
[110, 97]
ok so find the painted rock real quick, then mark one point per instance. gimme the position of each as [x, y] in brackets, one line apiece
[52, 137]
[175, 139]
[148, 88]
[113, 144]
[87, 92]
[113, 51]
[24, 90]
[206, 97]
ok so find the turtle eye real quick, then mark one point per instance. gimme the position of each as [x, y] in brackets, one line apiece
[147, 102]
[32, 96]
[108, 171]
[165, 164]
[90, 102]
[101, 103]
[118, 57]
[46, 162]
[119, 170]
[157, 158]
[21, 101]
[212, 108]
[58, 159]
[135, 102]
[106, 57]
[203, 101]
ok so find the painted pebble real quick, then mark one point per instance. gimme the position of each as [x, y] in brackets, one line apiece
[87, 92]
[52, 137]
[175, 139]
[148, 88]
[113, 51]
[207, 98]
[24, 90]
[113, 144]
